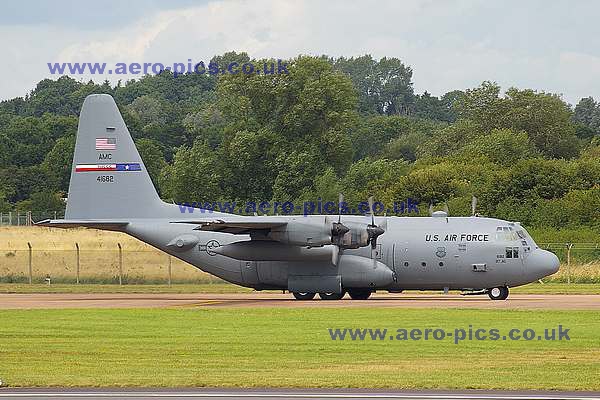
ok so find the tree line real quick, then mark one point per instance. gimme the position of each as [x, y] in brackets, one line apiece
[350, 125]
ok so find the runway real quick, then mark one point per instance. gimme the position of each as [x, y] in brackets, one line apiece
[271, 299]
[143, 394]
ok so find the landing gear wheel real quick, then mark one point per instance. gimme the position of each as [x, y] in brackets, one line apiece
[360, 294]
[304, 296]
[498, 293]
[331, 296]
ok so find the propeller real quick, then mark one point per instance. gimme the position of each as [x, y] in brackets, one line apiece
[473, 206]
[338, 230]
[373, 230]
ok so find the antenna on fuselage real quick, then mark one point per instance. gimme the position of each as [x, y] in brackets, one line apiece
[473, 206]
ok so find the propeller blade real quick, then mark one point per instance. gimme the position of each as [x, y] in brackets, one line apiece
[446, 209]
[473, 205]
[371, 210]
[341, 200]
[430, 209]
[334, 255]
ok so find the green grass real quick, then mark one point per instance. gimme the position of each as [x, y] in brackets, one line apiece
[281, 347]
[558, 288]
[533, 288]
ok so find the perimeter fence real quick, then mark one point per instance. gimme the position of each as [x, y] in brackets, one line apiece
[116, 264]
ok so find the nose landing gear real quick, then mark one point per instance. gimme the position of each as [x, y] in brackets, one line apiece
[498, 293]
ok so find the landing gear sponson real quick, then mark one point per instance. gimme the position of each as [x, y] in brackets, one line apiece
[355, 294]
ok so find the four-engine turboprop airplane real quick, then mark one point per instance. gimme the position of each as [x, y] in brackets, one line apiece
[330, 255]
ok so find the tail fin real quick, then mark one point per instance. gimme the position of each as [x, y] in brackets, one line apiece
[108, 177]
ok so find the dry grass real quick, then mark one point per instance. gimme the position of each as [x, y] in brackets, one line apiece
[54, 254]
[578, 273]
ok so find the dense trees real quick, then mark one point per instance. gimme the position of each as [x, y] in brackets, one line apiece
[351, 125]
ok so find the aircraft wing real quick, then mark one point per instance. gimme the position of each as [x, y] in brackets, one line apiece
[236, 227]
[73, 223]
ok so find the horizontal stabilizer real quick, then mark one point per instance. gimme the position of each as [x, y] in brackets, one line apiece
[74, 223]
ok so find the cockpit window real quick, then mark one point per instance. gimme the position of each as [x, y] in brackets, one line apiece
[506, 234]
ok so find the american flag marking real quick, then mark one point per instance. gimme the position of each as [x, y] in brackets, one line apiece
[106, 143]
[126, 167]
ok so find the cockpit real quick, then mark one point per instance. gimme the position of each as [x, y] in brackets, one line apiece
[512, 233]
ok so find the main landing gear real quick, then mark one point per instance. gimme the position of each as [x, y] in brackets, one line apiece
[498, 293]
[304, 296]
[355, 294]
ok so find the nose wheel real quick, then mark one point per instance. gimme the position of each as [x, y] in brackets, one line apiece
[498, 293]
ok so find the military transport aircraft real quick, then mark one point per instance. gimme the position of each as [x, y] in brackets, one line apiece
[330, 255]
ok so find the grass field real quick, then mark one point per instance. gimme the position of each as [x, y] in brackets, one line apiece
[292, 348]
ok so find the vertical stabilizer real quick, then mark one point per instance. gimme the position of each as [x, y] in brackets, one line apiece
[108, 177]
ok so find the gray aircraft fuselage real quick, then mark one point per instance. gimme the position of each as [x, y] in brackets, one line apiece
[425, 253]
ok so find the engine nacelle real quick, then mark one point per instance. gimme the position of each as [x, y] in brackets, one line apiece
[263, 250]
[303, 233]
[356, 237]
[363, 272]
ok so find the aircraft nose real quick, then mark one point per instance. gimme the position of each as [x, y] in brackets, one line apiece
[542, 263]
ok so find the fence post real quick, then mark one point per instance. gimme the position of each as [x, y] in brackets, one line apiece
[10, 217]
[169, 269]
[569, 247]
[120, 264]
[30, 268]
[77, 247]
[18, 219]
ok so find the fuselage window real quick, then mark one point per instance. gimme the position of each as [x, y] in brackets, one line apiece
[512, 252]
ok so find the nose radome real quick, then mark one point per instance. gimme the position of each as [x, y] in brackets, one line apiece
[553, 262]
[542, 263]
